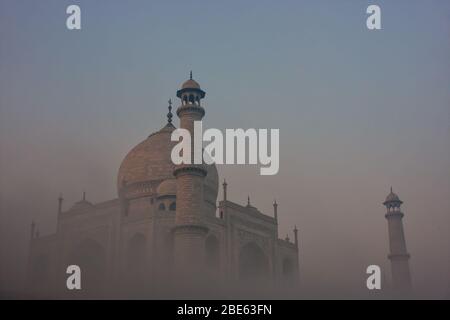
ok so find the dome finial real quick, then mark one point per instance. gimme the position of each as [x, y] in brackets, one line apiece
[169, 115]
[391, 189]
[190, 75]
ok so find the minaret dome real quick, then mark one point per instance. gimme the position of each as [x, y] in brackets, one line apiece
[190, 92]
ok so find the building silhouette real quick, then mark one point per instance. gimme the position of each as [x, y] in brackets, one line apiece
[165, 226]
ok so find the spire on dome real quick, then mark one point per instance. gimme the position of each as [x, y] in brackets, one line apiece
[190, 75]
[169, 115]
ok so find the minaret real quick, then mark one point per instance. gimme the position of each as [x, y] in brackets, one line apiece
[399, 257]
[225, 184]
[275, 210]
[296, 236]
[189, 231]
[60, 202]
[297, 273]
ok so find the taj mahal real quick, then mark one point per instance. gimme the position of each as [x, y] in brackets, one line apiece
[167, 231]
[166, 223]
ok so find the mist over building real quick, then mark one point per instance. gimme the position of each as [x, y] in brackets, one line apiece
[166, 233]
[358, 111]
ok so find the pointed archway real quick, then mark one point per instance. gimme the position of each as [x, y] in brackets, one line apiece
[90, 256]
[253, 263]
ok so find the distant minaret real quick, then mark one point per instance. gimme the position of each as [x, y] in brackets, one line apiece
[399, 257]
[275, 210]
[296, 236]
[225, 184]
[60, 203]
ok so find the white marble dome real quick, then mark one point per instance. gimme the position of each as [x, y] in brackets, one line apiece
[150, 163]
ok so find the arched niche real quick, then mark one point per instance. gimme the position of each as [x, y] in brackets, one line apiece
[212, 256]
[287, 267]
[136, 252]
[253, 263]
[40, 270]
[90, 256]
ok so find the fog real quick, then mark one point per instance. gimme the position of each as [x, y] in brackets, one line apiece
[357, 114]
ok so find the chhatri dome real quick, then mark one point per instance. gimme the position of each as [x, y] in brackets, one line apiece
[82, 205]
[149, 163]
[190, 84]
[392, 197]
[167, 188]
[392, 201]
[190, 92]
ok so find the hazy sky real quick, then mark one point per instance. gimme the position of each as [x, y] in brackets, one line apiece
[358, 111]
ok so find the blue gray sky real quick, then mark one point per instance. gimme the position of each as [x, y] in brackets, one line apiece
[358, 111]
